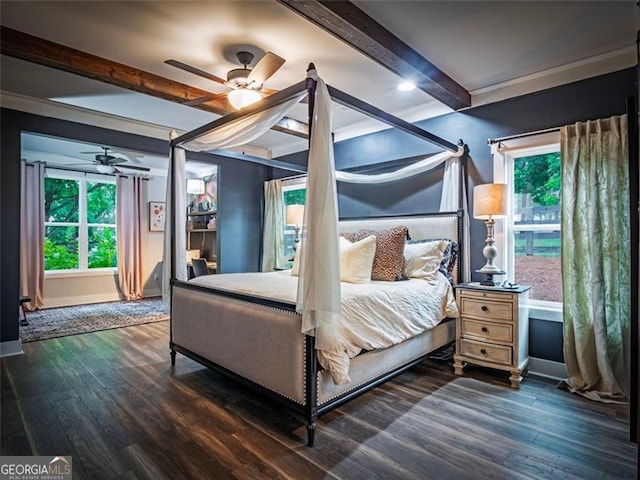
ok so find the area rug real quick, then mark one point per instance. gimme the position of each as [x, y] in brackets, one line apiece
[60, 322]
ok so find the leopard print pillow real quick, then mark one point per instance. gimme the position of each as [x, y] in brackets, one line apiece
[389, 257]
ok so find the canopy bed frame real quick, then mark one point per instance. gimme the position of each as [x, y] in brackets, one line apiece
[260, 341]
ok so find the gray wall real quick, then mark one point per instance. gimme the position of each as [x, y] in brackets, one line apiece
[598, 97]
[239, 214]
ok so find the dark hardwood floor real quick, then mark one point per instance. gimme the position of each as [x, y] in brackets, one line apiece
[112, 401]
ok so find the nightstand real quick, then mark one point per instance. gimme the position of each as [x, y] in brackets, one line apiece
[492, 329]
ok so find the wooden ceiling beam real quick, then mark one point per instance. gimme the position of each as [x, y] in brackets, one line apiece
[353, 26]
[14, 43]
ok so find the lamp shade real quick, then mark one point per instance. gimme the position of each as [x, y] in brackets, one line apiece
[295, 214]
[242, 97]
[195, 186]
[490, 201]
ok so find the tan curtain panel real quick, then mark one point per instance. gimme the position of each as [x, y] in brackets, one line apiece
[32, 218]
[129, 236]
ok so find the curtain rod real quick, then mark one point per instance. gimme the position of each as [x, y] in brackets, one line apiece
[67, 169]
[491, 141]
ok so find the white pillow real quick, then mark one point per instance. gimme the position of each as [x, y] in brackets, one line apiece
[356, 260]
[422, 260]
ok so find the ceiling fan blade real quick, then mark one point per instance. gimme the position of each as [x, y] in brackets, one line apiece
[267, 66]
[205, 99]
[134, 167]
[116, 160]
[195, 71]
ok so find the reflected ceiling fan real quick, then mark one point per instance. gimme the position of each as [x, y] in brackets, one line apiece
[246, 84]
[106, 163]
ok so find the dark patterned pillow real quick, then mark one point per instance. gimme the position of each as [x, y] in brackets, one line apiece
[448, 257]
[387, 262]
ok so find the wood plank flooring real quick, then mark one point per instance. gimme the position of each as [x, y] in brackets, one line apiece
[112, 401]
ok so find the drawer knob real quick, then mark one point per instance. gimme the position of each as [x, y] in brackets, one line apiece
[483, 351]
[484, 308]
[485, 329]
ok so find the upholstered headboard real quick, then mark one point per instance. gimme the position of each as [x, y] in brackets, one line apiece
[426, 226]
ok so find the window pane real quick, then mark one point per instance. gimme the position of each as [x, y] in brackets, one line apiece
[537, 202]
[61, 248]
[61, 200]
[101, 202]
[294, 197]
[537, 189]
[102, 247]
[537, 263]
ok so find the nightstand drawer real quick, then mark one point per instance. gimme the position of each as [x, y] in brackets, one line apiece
[499, 332]
[486, 309]
[490, 353]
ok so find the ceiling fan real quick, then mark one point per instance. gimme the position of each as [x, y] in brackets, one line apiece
[106, 163]
[246, 84]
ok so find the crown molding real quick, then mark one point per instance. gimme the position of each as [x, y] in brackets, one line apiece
[48, 108]
[572, 72]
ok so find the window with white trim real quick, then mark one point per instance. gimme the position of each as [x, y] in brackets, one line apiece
[529, 238]
[80, 222]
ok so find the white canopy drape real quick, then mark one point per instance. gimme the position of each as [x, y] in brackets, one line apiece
[319, 280]
[176, 181]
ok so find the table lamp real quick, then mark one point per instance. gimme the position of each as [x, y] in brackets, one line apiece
[195, 187]
[490, 201]
[295, 217]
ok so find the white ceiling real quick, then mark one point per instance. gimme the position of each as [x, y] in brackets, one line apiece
[493, 49]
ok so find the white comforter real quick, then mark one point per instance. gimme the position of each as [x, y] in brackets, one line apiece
[374, 315]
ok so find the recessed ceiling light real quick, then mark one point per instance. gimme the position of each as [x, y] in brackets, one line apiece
[406, 86]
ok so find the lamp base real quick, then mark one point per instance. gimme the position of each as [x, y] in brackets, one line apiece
[487, 281]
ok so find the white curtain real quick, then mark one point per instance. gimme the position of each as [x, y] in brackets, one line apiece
[416, 168]
[273, 227]
[32, 218]
[129, 235]
[319, 281]
[176, 176]
[243, 130]
[453, 183]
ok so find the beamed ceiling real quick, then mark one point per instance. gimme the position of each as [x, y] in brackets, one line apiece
[109, 56]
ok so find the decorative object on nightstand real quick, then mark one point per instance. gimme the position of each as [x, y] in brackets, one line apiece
[492, 329]
[295, 217]
[490, 201]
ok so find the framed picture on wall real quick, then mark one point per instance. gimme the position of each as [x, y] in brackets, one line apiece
[156, 216]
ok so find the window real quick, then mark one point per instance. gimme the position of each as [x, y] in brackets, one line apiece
[530, 236]
[294, 192]
[80, 225]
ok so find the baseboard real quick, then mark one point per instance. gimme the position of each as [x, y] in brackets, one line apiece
[8, 349]
[80, 300]
[547, 368]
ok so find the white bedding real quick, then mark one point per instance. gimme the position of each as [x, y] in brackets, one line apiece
[374, 315]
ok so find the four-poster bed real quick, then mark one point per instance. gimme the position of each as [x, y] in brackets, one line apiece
[271, 342]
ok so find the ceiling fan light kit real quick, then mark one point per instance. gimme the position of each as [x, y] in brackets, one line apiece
[106, 168]
[245, 83]
[242, 97]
